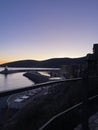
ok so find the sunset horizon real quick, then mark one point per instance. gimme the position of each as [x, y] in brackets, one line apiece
[42, 30]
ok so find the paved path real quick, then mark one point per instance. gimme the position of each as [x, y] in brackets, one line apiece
[20, 100]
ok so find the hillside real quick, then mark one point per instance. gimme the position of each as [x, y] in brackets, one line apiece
[54, 62]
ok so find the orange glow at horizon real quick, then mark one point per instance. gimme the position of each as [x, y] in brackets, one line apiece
[4, 61]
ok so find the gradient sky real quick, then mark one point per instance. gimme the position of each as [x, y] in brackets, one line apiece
[43, 29]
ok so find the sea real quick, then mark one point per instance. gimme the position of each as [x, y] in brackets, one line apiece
[17, 80]
[13, 81]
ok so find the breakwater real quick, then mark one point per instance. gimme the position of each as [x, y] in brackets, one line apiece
[36, 77]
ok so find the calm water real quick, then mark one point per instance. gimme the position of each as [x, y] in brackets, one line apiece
[12, 81]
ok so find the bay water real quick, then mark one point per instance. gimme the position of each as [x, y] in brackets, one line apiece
[13, 81]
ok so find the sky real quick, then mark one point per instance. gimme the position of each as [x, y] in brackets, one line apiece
[43, 29]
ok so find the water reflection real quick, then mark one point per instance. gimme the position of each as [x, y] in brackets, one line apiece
[12, 81]
[5, 80]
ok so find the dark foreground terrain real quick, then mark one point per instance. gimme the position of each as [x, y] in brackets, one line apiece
[59, 97]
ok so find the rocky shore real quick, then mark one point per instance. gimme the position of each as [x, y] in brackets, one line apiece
[36, 77]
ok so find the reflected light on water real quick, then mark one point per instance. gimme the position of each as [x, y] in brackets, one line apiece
[12, 81]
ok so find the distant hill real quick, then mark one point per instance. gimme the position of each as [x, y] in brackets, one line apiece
[54, 62]
[21, 63]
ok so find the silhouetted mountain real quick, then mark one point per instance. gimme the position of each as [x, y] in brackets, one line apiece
[58, 62]
[21, 63]
[54, 62]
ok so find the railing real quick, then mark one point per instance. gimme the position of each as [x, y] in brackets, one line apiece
[55, 121]
[63, 120]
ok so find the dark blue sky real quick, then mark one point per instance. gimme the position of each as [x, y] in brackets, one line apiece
[42, 29]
